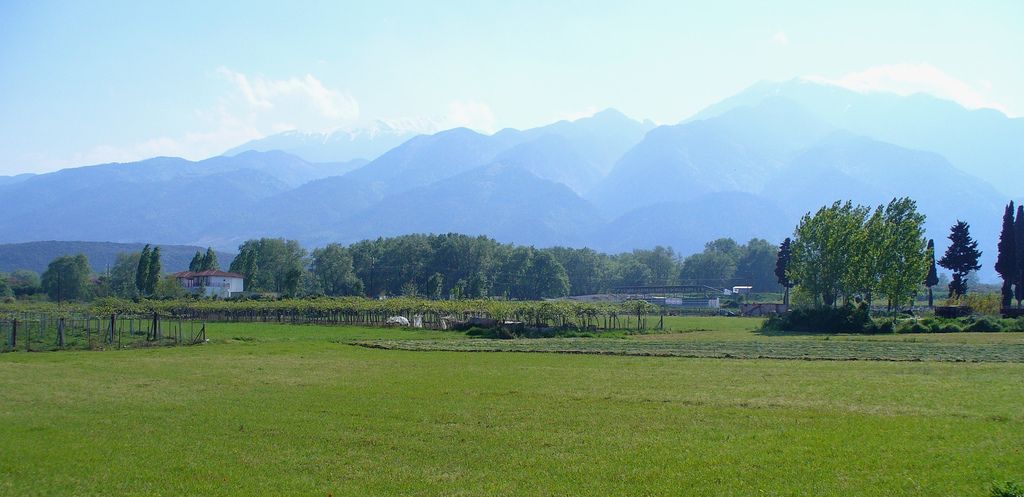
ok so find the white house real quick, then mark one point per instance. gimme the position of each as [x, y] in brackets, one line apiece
[212, 283]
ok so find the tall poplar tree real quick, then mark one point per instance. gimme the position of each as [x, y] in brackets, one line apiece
[933, 274]
[960, 258]
[142, 271]
[153, 271]
[1006, 261]
[782, 265]
[1018, 230]
[210, 260]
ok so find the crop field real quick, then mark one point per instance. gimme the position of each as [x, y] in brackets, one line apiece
[271, 409]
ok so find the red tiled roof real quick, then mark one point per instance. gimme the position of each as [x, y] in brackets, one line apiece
[211, 272]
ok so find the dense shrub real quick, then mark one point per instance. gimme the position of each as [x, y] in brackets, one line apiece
[1013, 324]
[913, 327]
[985, 324]
[950, 327]
[882, 326]
[849, 319]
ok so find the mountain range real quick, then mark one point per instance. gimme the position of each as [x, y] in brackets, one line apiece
[35, 256]
[748, 166]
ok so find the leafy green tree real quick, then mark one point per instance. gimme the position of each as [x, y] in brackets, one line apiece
[142, 272]
[209, 260]
[332, 267]
[726, 246]
[204, 261]
[5, 287]
[546, 278]
[756, 265]
[933, 274]
[122, 275]
[662, 263]
[782, 260]
[824, 247]
[67, 278]
[960, 258]
[632, 272]
[25, 283]
[1006, 260]
[271, 265]
[589, 272]
[901, 259]
[711, 267]
[154, 268]
[435, 286]
[168, 287]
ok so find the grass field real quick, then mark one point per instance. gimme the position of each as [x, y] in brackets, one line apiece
[296, 410]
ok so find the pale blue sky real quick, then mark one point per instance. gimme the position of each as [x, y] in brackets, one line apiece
[121, 81]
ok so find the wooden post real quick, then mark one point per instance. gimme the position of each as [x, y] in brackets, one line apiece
[14, 334]
[60, 333]
[113, 326]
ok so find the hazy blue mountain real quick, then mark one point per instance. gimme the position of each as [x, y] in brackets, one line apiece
[367, 142]
[737, 151]
[686, 225]
[573, 153]
[504, 202]
[163, 198]
[17, 178]
[577, 153]
[428, 158]
[984, 142]
[746, 168]
[555, 158]
[846, 166]
[102, 255]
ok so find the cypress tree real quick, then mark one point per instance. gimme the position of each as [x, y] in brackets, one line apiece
[1006, 261]
[153, 273]
[781, 265]
[142, 272]
[960, 258]
[197, 262]
[1018, 230]
[933, 275]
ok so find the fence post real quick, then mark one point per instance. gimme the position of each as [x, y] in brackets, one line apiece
[14, 334]
[60, 332]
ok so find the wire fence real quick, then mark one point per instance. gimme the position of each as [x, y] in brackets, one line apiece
[40, 331]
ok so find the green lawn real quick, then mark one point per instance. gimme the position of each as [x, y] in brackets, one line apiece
[295, 410]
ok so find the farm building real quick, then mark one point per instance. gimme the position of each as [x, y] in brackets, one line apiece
[212, 283]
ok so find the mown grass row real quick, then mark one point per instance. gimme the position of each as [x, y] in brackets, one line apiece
[837, 350]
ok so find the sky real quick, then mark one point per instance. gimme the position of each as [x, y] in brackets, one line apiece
[93, 82]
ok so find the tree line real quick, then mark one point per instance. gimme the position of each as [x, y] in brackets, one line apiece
[853, 253]
[448, 266]
[460, 266]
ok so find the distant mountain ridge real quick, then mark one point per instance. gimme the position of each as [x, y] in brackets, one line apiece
[749, 166]
[367, 142]
[35, 256]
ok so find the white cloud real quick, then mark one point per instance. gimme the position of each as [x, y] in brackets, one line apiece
[252, 107]
[268, 94]
[910, 78]
[572, 116]
[223, 132]
[470, 114]
[780, 38]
